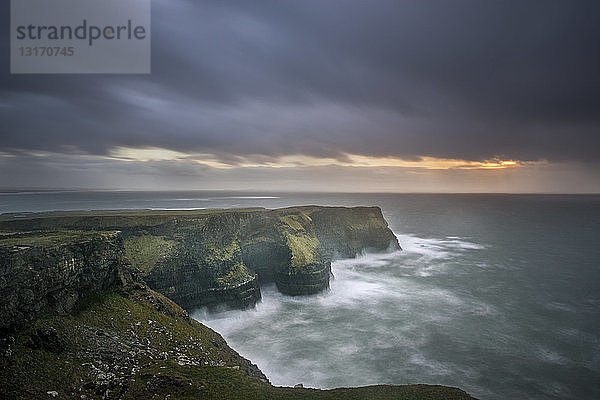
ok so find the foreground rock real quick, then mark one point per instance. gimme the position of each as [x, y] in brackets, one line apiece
[117, 343]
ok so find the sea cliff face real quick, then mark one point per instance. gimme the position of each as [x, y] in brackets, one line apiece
[48, 273]
[219, 257]
[345, 232]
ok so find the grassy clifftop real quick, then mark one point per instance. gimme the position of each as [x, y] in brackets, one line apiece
[119, 343]
[133, 343]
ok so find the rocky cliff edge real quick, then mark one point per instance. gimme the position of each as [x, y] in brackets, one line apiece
[201, 258]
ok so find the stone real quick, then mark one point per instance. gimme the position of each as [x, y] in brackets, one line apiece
[45, 337]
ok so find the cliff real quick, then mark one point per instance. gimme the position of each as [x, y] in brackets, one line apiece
[47, 273]
[128, 342]
[214, 257]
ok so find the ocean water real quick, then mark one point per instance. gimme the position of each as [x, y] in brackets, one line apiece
[496, 294]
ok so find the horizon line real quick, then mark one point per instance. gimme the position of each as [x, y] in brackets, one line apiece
[6, 190]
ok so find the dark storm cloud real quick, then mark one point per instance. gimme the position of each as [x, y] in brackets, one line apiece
[457, 79]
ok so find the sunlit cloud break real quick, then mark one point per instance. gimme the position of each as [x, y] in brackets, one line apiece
[294, 161]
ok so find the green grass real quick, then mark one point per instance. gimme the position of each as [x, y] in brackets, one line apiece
[144, 251]
[136, 313]
[124, 213]
[229, 384]
[237, 274]
[296, 222]
[305, 249]
[45, 238]
[222, 252]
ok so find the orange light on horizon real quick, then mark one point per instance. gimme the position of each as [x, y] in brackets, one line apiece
[432, 163]
[298, 160]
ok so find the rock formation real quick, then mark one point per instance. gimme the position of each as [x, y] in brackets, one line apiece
[49, 272]
[201, 258]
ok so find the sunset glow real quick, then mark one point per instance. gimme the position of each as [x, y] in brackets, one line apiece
[295, 161]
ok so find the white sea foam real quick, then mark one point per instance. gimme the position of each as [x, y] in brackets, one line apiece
[557, 390]
[551, 356]
[433, 367]
[555, 305]
[435, 248]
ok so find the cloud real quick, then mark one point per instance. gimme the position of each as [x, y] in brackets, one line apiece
[171, 172]
[464, 80]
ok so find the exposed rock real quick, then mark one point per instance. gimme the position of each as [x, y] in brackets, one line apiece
[45, 337]
[207, 258]
[49, 272]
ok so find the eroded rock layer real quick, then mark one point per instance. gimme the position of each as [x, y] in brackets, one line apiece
[47, 273]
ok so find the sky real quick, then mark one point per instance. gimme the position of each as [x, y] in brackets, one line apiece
[313, 95]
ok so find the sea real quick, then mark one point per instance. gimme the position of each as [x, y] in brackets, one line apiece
[497, 294]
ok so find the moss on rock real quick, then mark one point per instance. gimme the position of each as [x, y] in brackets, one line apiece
[237, 275]
[304, 248]
[144, 251]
